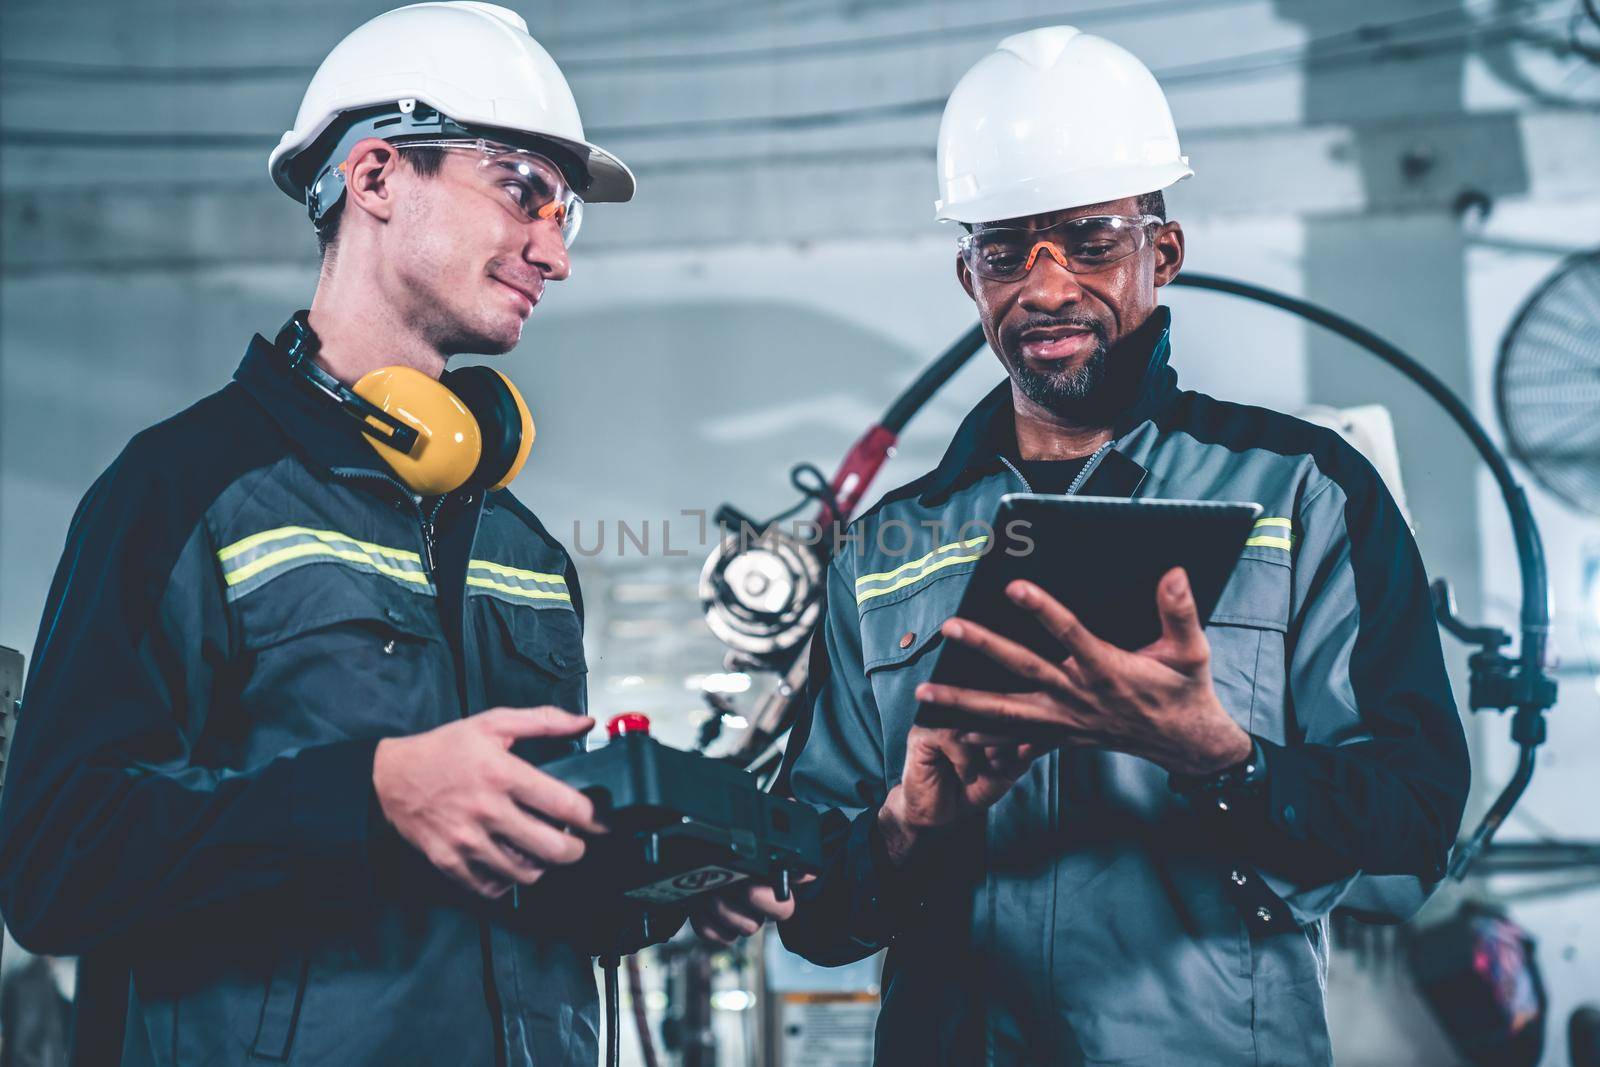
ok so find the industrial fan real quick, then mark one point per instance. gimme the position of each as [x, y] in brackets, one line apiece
[1547, 383]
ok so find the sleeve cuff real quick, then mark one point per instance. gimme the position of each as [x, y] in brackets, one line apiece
[887, 898]
[1284, 795]
[377, 858]
[1230, 791]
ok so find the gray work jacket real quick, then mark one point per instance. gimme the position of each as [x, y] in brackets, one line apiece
[1095, 916]
[248, 602]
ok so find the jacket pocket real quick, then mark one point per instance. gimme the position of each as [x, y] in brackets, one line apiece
[900, 643]
[895, 640]
[350, 656]
[280, 1009]
[1247, 634]
[532, 657]
[327, 598]
[548, 640]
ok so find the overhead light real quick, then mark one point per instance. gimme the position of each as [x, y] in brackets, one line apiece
[731, 682]
[732, 1000]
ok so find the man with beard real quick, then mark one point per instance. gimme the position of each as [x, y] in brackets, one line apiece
[1156, 889]
[265, 784]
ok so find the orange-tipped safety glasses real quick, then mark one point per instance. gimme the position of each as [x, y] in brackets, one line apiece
[1049, 246]
[527, 184]
[1082, 245]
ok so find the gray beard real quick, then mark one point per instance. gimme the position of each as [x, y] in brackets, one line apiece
[1065, 391]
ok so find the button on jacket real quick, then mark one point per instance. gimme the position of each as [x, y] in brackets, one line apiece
[1095, 915]
[245, 606]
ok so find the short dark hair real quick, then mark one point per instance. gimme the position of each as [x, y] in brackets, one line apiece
[425, 161]
[1153, 204]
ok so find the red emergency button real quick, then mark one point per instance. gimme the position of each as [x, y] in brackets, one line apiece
[629, 722]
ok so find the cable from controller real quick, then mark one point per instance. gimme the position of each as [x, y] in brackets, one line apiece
[608, 964]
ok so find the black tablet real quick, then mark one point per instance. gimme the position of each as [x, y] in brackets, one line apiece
[1100, 556]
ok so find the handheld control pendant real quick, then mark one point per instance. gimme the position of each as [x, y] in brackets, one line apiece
[681, 823]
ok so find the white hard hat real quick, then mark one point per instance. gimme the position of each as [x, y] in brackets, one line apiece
[472, 63]
[1053, 118]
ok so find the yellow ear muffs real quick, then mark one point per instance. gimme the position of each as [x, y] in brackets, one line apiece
[449, 444]
[503, 419]
[525, 418]
[471, 427]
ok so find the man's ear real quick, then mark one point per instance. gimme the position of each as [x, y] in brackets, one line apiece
[368, 177]
[1169, 252]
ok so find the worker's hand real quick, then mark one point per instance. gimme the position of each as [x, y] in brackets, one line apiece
[948, 774]
[486, 818]
[739, 911]
[1157, 703]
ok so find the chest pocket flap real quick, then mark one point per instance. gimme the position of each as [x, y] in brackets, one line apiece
[899, 634]
[551, 641]
[319, 598]
[1257, 595]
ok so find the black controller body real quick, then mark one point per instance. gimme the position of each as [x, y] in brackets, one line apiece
[681, 824]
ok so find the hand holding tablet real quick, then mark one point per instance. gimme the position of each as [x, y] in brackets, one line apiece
[1096, 637]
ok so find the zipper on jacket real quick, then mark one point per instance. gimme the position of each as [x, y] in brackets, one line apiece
[1057, 769]
[1077, 483]
[1026, 488]
[426, 523]
[428, 539]
[1088, 468]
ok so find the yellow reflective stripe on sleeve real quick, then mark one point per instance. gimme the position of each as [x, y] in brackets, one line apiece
[317, 548]
[884, 576]
[531, 594]
[514, 584]
[285, 532]
[1267, 540]
[912, 579]
[515, 572]
[251, 562]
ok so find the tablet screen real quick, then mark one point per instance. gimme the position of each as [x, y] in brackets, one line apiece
[1102, 557]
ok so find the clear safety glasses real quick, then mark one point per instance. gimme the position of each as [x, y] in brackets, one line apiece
[1083, 245]
[527, 184]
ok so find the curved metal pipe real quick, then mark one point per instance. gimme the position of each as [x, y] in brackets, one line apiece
[1530, 548]
[1532, 692]
[1535, 693]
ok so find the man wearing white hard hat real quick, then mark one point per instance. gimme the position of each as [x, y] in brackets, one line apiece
[1153, 886]
[275, 784]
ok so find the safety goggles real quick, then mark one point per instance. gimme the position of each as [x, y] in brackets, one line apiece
[526, 183]
[1082, 246]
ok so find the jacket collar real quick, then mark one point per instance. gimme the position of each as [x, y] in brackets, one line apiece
[1139, 384]
[313, 425]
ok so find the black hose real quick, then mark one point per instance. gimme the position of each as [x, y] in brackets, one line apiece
[931, 380]
[1530, 549]
[641, 1016]
[1469, 850]
[1528, 723]
[608, 964]
[1534, 694]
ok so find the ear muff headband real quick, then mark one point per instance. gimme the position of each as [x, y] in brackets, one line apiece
[297, 341]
